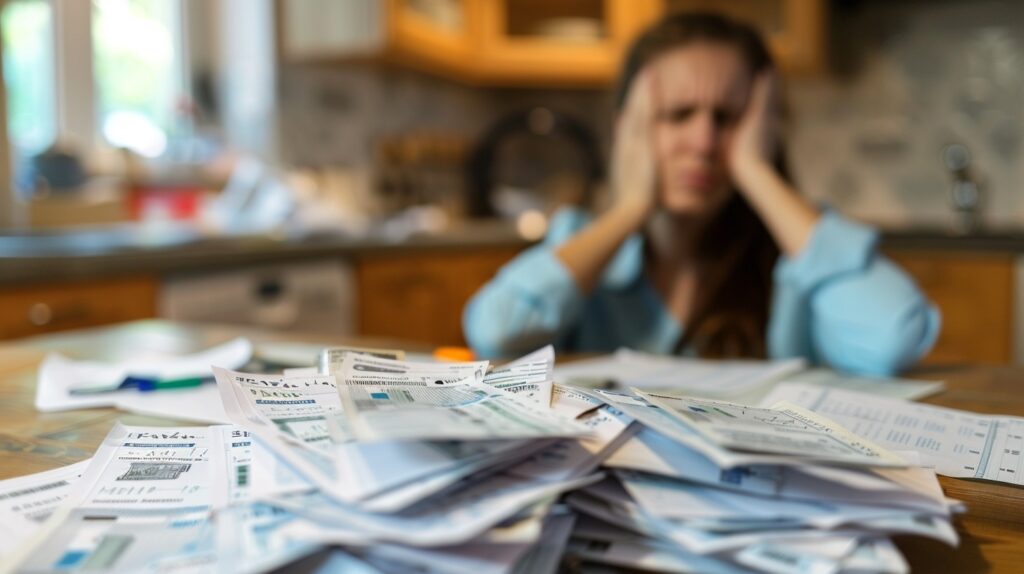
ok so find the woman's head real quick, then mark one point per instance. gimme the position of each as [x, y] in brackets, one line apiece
[705, 66]
[702, 68]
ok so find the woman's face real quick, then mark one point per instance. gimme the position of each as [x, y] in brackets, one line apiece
[700, 93]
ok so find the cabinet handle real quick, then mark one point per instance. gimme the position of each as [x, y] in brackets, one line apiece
[40, 314]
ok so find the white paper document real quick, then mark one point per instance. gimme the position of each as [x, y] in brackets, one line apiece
[600, 542]
[571, 458]
[332, 359]
[893, 388]
[529, 376]
[573, 402]
[59, 375]
[396, 400]
[781, 429]
[670, 427]
[956, 443]
[27, 501]
[302, 421]
[438, 521]
[609, 502]
[652, 452]
[627, 368]
[146, 488]
[721, 510]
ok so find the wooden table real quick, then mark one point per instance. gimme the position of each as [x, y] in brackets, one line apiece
[992, 531]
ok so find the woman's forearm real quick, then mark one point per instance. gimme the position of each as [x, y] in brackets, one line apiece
[587, 253]
[789, 217]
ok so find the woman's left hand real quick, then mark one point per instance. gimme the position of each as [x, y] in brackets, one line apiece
[756, 137]
[756, 140]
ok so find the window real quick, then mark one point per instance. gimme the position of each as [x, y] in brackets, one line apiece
[27, 28]
[135, 96]
[135, 63]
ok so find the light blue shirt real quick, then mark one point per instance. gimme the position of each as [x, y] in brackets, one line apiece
[838, 302]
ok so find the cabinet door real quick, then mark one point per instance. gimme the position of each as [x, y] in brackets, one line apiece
[419, 297]
[974, 292]
[431, 35]
[37, 309]
[567, 43]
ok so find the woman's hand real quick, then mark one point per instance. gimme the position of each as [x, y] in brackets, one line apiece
[633, 177]
[789, 218]
[633, 171]
[756, 137]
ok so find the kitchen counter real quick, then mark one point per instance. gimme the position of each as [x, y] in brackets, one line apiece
[1006, 241]
[33, 257]
[414, 286]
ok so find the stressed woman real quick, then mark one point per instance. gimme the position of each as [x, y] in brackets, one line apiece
[707, 249]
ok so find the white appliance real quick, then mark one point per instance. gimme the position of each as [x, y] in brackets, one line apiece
[315, 297]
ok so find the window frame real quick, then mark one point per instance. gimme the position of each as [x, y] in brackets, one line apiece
[74, 80]
[75, 110]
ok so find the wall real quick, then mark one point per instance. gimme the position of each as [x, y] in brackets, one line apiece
[335, 113]
[10, 210]
[247, 98]
[907, 78]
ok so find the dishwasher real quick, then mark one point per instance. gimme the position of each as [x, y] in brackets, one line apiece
[311, 297]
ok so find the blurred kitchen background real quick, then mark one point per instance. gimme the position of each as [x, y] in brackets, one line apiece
[363, 166]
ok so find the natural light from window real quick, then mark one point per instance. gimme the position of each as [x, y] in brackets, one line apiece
[27, 28]
[138, 86]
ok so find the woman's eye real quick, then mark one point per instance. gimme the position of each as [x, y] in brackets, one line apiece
[677, 115]
[725, 118]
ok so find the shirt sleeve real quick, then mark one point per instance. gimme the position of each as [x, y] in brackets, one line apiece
[530, 303]
[846, 305]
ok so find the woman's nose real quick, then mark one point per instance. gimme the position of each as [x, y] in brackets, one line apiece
[703, 133]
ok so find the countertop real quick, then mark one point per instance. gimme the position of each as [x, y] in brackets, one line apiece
[33, 257]
[996, 240]
[26, 258]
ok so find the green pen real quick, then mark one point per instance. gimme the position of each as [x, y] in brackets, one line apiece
[166, 384]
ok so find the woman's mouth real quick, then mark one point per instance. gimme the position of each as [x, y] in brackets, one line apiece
[697, 180]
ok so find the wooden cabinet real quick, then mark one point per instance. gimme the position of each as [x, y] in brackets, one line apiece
[515, 43]
[975, 293]
[420, 296]
[524, 43]
[565, 43]
[37, 309]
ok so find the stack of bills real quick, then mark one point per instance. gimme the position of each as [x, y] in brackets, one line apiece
[710, 486]
[373, 463]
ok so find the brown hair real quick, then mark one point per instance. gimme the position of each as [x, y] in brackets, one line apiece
[737, 253]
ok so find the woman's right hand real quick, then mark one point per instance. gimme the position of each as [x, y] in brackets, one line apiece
[633, 177]
[633, 169]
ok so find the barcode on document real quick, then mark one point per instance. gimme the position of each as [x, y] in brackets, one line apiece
[33, 490]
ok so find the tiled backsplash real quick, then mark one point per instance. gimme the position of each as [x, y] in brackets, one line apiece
[909, 78]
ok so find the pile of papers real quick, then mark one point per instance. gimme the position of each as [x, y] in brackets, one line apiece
[953, 442]
[708, 486]
[737, 380]
[393, 465]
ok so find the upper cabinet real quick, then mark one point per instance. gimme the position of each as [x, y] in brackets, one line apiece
[555, 43]
[522, 43]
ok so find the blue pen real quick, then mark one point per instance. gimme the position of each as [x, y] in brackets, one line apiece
[143, 384]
